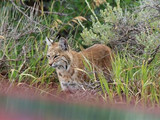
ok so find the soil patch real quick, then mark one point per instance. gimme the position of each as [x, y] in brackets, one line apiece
[52, 93]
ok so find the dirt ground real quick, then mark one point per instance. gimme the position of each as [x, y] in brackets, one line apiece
[52, 92]
[49, 92]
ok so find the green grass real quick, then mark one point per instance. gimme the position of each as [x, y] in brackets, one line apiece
[25, 57]
[134, 80]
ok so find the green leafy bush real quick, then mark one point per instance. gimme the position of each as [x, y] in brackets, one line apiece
[136, 31]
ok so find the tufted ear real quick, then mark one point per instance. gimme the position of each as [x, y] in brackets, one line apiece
[49, 41]
[63, 44]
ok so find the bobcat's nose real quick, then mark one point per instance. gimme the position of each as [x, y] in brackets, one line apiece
[50, 64]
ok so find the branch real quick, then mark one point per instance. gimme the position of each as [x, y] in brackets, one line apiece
[153, 54]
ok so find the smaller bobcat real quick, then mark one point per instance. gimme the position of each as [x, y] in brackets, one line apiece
[69, 64]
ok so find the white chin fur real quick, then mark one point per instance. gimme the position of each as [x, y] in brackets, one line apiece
[70, 86]
[54, 66]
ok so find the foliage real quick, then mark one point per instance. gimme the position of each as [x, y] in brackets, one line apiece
[136, 30]
[21, 56]
[135, 36]
[134, 80]
[72, 9]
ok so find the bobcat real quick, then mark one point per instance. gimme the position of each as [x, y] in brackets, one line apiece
[70, 66]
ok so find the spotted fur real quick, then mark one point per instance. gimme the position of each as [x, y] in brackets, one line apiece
[70, 66]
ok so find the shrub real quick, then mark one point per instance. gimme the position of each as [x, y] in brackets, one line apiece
[136, 31]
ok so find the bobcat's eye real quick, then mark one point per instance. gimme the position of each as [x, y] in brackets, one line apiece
[48, 56]
[55, 56]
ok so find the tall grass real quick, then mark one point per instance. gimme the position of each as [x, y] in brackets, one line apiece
[133, 81]
[23, 50]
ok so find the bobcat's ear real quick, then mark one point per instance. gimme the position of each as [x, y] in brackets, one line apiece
[63, 44]
[49, 41]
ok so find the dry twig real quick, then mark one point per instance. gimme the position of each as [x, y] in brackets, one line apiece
[153, 54]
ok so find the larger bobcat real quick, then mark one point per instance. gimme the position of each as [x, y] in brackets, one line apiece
[70, 66]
